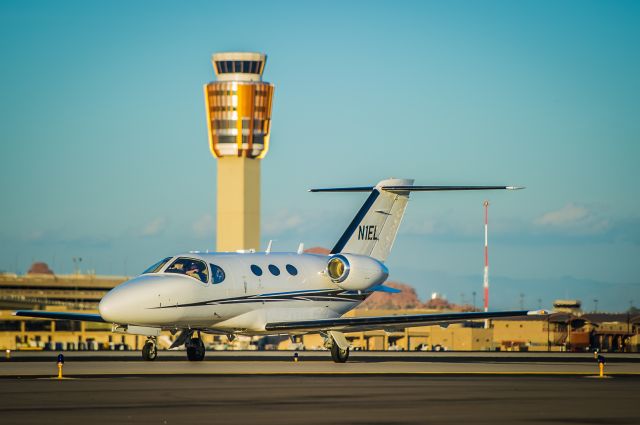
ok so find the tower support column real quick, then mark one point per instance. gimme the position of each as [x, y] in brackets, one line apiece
[238, 199]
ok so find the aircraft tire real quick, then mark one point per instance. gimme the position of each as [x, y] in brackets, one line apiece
[338, 355]
[195, 350]
[149, 351]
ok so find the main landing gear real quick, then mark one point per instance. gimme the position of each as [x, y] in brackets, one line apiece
[195, 349]
[150, 349]
[338, 355]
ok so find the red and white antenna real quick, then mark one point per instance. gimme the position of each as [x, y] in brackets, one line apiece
[485, 282]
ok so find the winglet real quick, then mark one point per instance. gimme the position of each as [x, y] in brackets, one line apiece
[538, 313]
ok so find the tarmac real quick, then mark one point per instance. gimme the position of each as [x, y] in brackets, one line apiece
[270, 388]
[104, 364]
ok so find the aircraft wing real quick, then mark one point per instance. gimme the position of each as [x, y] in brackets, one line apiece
[356, 324]
[59, 315]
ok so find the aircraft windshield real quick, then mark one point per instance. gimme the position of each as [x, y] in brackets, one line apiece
[194, 268]
[157, 266]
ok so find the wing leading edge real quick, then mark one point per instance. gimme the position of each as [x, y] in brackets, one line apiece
[58, 315]
[352, 324]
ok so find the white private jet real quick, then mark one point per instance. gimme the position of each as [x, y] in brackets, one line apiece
[269, 293]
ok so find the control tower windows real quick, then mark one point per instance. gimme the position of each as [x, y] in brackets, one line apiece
[155, 268]
[224, 124]
[227, 139]
[245, 67]
[193, 268]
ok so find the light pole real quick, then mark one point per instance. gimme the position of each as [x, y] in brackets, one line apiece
[76, 264]
[548, 333]
[595, 304]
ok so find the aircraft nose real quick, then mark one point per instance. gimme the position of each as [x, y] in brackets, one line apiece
[139, 301]
[123, 303]
[113, 305]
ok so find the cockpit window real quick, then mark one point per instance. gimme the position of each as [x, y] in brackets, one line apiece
[217, 273]
[157, 266]
[188, 266]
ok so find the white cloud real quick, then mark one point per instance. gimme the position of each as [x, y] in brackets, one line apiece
[203, 227]
[35, 235]
[423, 227]
[570, 214]
[154, 227]
[576, 219]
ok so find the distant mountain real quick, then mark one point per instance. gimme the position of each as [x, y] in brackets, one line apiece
[505, 292]
[406, 299]
[318, 250]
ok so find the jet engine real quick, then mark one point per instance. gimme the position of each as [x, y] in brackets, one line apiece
[356, 272]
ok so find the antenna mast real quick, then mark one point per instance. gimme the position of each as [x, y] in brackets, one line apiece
[485, 283]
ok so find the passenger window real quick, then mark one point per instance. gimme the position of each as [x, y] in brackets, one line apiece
[292, 270]
[157, 266]
[188, 266]
[256, 270]
[217, 274]
[274, 270]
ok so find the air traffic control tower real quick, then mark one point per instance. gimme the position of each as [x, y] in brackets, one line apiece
[239, 120]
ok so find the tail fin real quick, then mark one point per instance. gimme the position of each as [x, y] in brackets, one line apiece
[373, 230]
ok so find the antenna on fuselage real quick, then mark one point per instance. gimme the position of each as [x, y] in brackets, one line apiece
[268, 251]
[301, 248]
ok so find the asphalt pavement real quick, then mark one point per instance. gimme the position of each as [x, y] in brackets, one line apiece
[321, 399]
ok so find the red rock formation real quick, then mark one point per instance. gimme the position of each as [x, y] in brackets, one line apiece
[318, 250]
[40, 268]
[406, 299]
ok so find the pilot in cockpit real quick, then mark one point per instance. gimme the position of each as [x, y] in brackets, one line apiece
[177, 267]
[195, 270]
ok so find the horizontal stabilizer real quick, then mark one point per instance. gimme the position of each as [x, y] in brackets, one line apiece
[383, 288]
[396, 188]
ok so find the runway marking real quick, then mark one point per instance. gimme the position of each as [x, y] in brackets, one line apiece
[117, 374]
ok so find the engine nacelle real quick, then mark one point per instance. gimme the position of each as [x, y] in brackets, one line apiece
[356, 272]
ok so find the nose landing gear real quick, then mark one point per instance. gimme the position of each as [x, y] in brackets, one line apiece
[195, 349]
[150, 349]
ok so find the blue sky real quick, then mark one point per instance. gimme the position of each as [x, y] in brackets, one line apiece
[104, 148]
